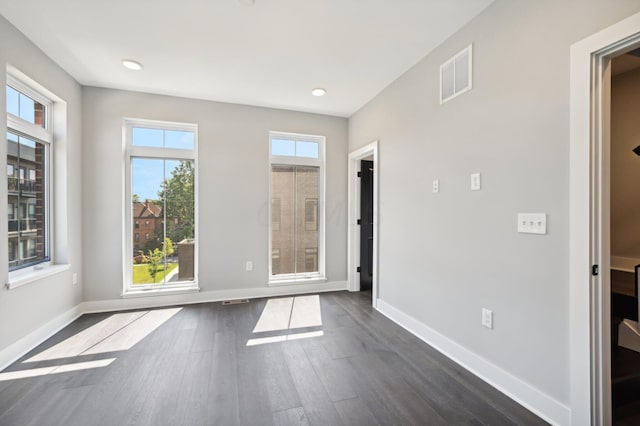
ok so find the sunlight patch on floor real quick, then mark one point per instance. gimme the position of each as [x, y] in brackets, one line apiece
[115, 333]
[274, 339]
[288, 313]
[56, 369]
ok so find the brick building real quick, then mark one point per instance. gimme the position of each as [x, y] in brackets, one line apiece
[147, 218]
[294, 219]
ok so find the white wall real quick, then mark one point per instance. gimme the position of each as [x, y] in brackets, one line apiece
[25, 309]
[233, 187]
[445, 256]
[625, 170]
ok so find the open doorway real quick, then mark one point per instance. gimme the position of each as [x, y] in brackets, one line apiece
[590, 219]
[363, 221]
[624, 233]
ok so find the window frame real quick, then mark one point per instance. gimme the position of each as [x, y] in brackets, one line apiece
[43, 135]
[320, 162]
[161, 153]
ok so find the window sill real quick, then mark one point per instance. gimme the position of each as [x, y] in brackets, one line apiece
[32, 274]
[160, 291]
[297, 281]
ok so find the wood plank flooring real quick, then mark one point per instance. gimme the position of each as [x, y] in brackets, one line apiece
[196, 369]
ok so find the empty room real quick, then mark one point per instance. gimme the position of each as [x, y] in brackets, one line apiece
[285, 212]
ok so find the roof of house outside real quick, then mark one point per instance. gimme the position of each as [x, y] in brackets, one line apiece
[146, 209]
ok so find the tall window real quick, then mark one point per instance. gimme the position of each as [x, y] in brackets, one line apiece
[297, 207]
[161, 170]
[29, 138]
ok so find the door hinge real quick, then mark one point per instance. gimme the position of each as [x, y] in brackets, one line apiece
[359, 174]
[358, 269]
[594, 270]
[359, 221]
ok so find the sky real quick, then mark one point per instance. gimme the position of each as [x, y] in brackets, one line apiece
[148, 174]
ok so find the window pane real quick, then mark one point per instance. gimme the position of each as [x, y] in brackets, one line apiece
[13, 101]
[307, 188]
[147, 137]
[25, 107]
[179, 140]
[283, 147]
[163, 189]
[26, 200]
[306, 149]
[283, 238]
[297, 189]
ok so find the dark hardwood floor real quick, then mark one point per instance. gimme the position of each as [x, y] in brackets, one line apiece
[196, 369]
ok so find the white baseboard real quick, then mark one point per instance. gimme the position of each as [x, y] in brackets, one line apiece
[535, 400]
[18, 349]
[208, 296]
[13, 352]
[626, 264]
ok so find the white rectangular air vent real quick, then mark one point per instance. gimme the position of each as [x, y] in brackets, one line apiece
[455, 75]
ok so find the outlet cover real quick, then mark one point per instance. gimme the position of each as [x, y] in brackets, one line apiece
[436, 185]
[249, 266]
[487, 318]
[476, 184]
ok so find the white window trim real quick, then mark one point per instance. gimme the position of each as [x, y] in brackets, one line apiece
[320, 162]
[15, 124]
[132, 152]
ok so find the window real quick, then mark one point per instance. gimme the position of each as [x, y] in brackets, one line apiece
[296, 227]
[28, 149]
[161, 169]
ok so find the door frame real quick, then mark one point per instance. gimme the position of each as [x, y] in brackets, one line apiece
[354, 214]
[589, 232]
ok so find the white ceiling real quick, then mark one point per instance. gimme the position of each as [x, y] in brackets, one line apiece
[270, 54]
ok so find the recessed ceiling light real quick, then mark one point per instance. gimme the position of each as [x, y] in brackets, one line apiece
[247, 2]
[318, 91]
[131, 64]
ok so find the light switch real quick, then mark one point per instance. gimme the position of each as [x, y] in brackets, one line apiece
[532, 223]
[475, 182]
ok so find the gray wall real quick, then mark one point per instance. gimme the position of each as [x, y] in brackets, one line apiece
[233, 186]
[25, 309]
[445, 256]
[625, 165]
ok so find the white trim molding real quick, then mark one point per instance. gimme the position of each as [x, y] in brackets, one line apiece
[14, 352]
[543, 405]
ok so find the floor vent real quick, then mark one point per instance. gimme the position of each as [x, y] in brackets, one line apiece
[235, 302]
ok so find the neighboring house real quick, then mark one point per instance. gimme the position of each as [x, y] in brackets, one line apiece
[147, 217]
[25, 194]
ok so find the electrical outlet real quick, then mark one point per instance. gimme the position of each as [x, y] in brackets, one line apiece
[476, 184]
[487, 318]
[436, 185]
[75, 278]
[249, 265]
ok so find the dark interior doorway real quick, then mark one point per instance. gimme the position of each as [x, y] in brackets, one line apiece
[366, 224]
